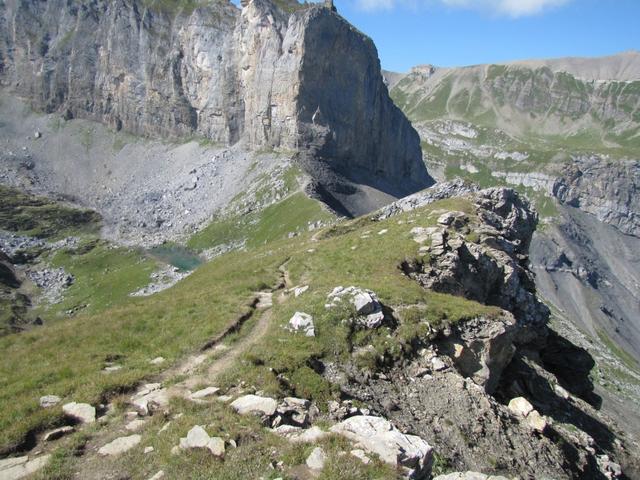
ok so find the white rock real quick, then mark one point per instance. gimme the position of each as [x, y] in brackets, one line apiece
[157, 476]
[360, 454]
[49, 401]
[520, 406]
[437, 364]
[112, 368]
[81, 412]
[317, 459]
[536, 421]
[120, 445]
[561, 392]
[150, 400]
[148, 450]
[199, 438]
[299, 435]
[379, 436]
[205, 392]
[300, 290]
[57, 433]
[303, 322]
[20, 467]
[157, 361]
[135, 425]
[254, 404]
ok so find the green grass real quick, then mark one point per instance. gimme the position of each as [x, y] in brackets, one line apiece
[257, 228]
[104, 277]
[41, 217]
[66, 357]
[373, 264]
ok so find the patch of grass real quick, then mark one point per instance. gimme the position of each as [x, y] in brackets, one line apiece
[622, 355]
[258, 228]
[66, 358]
[352, 253]
[104, 277]
[41, 217]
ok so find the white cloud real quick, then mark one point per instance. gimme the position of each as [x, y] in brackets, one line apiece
[511, 8]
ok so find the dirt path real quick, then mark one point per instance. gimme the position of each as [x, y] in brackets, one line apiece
[256, 320]
[230, 356]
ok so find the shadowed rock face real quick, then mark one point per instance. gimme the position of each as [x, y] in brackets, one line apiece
[305, 81]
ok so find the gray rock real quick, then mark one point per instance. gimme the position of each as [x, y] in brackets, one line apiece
[302, 322]
[120, 445]
[368, 308]
[19, 467]
[379, 436]
[254, 404]
[135, 425]
[81, 412]
[520, 406]
[317, 459]
[204, 393]
[49, 401]
[197, 437]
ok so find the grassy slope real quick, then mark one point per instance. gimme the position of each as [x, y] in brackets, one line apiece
[66, 358]
[258, 228]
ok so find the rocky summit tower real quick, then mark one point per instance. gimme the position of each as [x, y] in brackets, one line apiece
[329, 4]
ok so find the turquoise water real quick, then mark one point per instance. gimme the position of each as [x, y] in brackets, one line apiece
[180, 257]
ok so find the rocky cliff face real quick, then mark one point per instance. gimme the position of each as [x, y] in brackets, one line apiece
[606, 189]
[304, 81]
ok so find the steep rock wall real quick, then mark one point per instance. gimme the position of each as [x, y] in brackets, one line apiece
[303, 81]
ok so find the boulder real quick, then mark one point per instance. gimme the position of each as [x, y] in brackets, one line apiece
[204, 393]
[377, 435]
[520, 406]
[120, 445]
[300, 435]
[368, 308]
[158, 476]
[536, 422]
[49, 401]
[197, 437]
[80, 412]
[255, 404]
[480, 348]
[317, 459]
[297, 291]
[19, 467]
[302, 322]
[151, 398]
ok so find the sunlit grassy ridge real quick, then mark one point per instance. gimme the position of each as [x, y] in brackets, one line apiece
[67, 357]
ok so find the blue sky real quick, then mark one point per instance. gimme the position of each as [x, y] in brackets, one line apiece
[467, 32]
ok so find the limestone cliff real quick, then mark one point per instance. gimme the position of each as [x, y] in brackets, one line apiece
[302, 81]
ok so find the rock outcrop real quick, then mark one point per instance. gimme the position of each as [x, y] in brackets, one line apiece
[259, 75]
[492, 268]
[606, 189]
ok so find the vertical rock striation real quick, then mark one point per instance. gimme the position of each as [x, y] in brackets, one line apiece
[303, 80]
